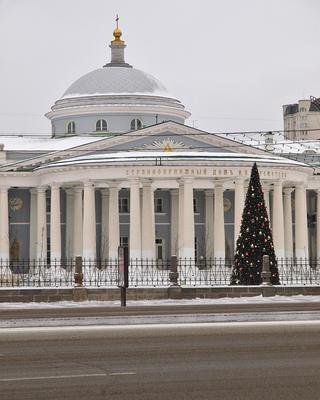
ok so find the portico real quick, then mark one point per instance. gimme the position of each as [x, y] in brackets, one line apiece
[200, 203]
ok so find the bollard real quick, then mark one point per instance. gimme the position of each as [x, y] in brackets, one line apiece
[173, 274]
[266, 274]
[78, 275]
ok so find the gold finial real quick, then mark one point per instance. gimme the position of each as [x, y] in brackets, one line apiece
[117, 33]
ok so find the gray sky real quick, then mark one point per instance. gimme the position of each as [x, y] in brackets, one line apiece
[232, 63]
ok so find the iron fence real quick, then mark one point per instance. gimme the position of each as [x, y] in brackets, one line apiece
[145, 272]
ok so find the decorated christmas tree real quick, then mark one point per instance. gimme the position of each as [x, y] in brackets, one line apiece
[255, 238]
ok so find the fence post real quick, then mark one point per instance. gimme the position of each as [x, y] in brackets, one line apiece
[78, 275]
[173, 274]
[266, 274]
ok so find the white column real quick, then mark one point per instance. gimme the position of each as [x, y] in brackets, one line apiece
[174, 221]
[77, 222]
[89, 222]
[104, 248]
[69, 222]
[55, 224]
[209, 223]
[41, 224]
[114, 230]
[277, 220]
[238, 206]
[219, 231]
[266, 195]
[318, 223]
[4, 224]
[288, 238]
[148, 220]
[180, 224]
[188, 219]
[135, 219]
[301, 226]
[33, 225]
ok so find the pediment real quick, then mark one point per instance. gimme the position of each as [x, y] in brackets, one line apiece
[167, 136]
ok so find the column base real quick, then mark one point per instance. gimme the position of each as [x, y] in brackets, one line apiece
[187, 253]
[219, 254]
[148, 254]
[301, 253]
[279, 253]
[135, 254]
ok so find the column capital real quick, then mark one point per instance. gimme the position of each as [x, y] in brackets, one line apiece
[277, 183]
[41, 189]
[185, 179]
[77, 189]
[4, 188]
[218, 185]
[239, 180]
[88, 184]
[208, 193]
[54, 186]
[114, 184]
[134, 180]
[287, 191]
[104, 192]
[300, 185]
[69, 191]
[175, 192]
[146, 181]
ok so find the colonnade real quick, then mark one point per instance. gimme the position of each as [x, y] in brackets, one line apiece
[81, 220]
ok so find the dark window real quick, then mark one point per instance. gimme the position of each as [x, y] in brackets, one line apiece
[101, 125]
[71, 128]
[159, 249]
[158, 205]
[135, 124]
[123, 205]
[195, 206]
[124, 241]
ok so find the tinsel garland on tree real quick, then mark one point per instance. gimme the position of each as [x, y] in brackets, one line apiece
[255, 238]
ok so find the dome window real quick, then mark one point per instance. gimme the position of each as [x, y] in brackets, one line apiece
[135, 124]
[101, 125]
[71, 128]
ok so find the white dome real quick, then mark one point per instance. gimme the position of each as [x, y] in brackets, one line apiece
[115, 80]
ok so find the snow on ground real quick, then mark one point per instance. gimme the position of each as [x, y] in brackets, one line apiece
[167, 302]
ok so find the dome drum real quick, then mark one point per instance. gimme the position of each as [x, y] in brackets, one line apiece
[115, 92]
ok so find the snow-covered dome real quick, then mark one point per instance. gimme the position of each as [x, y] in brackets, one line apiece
[116, 80]
[113, 99]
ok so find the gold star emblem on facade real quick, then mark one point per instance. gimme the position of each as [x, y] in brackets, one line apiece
[167, 148]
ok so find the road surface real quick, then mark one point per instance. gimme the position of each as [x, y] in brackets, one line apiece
[265, 360]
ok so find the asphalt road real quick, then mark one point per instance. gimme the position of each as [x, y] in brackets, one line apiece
[274, 361]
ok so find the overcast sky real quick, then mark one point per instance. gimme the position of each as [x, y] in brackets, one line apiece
[232, 63]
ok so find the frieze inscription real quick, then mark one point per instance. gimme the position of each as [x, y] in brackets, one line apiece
[201, 172]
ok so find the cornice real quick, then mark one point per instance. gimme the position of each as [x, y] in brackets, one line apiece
[172, 110]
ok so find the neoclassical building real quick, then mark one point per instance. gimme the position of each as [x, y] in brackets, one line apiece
[121, 167]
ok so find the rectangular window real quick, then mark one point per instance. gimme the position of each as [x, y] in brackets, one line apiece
[158, 206]
[195, 206]
[195, 248]
[124, 241]
[48, 205]
[123, 205]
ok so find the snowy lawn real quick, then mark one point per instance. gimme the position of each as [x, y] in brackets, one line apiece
[167, 302]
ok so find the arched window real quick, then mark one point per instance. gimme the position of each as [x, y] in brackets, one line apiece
[135, 124]
[101, 125]
[71, 128]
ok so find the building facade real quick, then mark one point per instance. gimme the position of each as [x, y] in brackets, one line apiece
[122, 167]
[302, 120]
